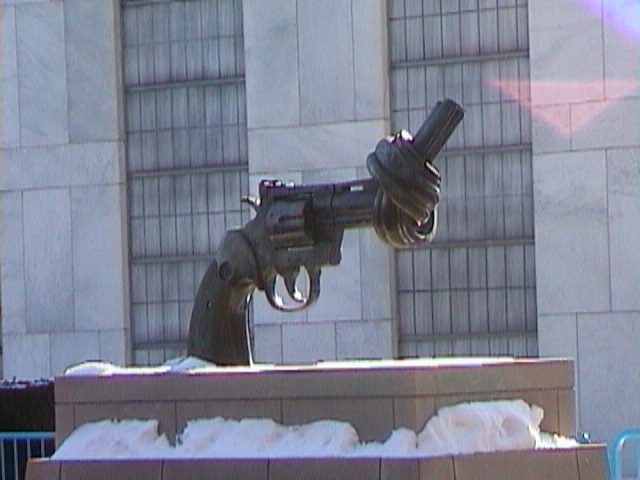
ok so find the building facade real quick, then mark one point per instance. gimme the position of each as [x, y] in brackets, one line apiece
[130, 130]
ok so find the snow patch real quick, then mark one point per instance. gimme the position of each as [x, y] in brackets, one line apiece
[501, 425]
[461, 429]
[112, 439]
[99, 368]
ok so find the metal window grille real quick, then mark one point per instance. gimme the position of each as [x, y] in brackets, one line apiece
[16, 448]
[473, 290]
[186, 156]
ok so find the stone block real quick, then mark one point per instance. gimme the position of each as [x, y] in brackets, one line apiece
[377, 277]
[99, 246]
[324, 468]
[440, 468]
[621, 53]
[48, 260]
[567, 412]
[551, 128]
[400, 469]
[71, 348]
[371, 417]
[370, 59]
[574, 72]
[340, 297]
[557, 336]
[41, 469]
[12, 262]
[329, 175]
[308, 343]
[271, 63]
[63, 166]
[368, 339]
[10, 130]
[42, 74]
[65, 422]
[313, 147]
[623, 187]
[606, 123]
[114, 346]
[570, 213]
[524, 465]
[106, 470]
[608, 384]
[240, 382]
[205, 469]
[592, 463]
[26, 356]
[267, 344]
[326, 65]
[523, 376]
[92, 70]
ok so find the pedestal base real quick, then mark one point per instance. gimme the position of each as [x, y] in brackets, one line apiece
[582, 463]
[375, 397]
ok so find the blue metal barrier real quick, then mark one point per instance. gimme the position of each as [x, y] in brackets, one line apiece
[614, 454]
[16, 448]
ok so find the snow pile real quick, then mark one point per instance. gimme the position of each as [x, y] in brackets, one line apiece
[197, 365]
[495, 426]
[112, 439]
[461, 429]
[98, 368]
[264, 438]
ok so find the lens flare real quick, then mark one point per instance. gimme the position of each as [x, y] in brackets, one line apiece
[624, 14]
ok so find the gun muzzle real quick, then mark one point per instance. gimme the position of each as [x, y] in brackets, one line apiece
[436, 129]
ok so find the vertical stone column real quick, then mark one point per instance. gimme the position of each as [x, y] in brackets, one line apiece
[317, 102]
[585, 100]
[62, 185]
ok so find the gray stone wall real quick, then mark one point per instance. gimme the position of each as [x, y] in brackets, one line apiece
[317, 102]
[63, 197]
[585, 99]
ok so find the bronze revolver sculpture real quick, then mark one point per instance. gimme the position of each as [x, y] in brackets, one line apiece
[302, 227]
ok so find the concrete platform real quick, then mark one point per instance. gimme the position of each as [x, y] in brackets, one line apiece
[375, 397]
[582, 463]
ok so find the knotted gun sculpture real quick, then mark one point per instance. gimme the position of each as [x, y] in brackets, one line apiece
[301, 227]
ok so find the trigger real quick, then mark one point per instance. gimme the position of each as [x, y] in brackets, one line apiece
[270, 291]
[276, 301]
[290, 284]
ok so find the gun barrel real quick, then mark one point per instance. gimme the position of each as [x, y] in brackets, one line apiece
[352, 203]
[436, 129]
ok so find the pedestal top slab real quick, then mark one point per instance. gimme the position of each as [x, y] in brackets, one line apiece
[438, 376]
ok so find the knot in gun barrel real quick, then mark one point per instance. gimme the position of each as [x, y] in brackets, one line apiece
[404, 208]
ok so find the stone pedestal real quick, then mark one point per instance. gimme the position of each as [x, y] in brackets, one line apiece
[375, 397]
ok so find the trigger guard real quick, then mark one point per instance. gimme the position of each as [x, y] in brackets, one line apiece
[276, 301]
